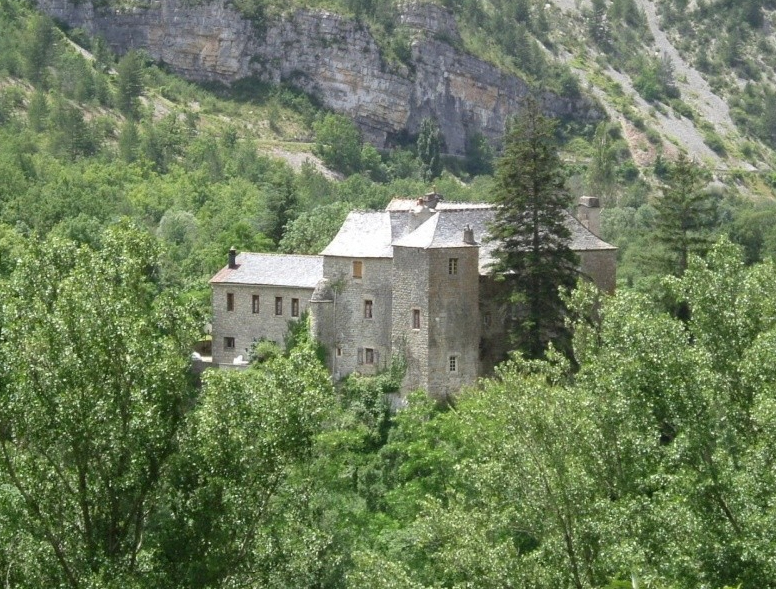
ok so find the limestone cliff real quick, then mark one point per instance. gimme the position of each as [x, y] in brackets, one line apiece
[331, 57]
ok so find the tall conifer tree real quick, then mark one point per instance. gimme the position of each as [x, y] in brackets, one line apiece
[686, 216]
[530, 229]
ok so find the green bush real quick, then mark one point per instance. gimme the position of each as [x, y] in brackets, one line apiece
[715, 142]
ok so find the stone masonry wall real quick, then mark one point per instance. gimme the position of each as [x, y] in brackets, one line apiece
[495, 321]
[410, 291]
[601, 267]
[246, 326]
[353, 331]
[454, 320]
[331, 57]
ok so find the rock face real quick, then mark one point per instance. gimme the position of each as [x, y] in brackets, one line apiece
[331, 57]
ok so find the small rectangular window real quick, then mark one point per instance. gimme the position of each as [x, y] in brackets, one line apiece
[358, 268]
[339, 351]
[278, 305]
[369, 356]
[367, 309]
[452, 363]
[294, 307]
[452, 266]
[229, 343]
[255, 303]
[416, 319]
[230, 301]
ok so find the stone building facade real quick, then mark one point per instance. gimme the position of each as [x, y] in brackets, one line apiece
[254, 298]
[412, 280]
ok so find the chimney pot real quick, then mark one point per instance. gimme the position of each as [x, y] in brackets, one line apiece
[232, 258]
[468, 235]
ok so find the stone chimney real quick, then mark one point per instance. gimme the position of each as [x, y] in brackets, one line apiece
[589, 214]
[431, 199]
[468, 235]
[232, 258]
[424, 209]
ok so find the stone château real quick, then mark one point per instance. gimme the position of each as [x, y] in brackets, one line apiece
[412, 279]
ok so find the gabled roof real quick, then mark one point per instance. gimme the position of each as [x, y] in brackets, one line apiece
[407, 204]
[404, 223]
[363, 235]
[273, 270]
[408, 223]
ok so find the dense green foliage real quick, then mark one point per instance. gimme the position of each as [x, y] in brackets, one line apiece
[648, 460]
[115, 471]
[529, 227]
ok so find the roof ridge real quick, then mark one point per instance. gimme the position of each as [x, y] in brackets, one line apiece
[278, 254]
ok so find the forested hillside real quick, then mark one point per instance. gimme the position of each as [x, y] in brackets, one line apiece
[641, 458]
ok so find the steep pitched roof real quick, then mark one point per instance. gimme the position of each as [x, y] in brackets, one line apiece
[363, 235]
[451, 218]
[372, 234]
[273, 270]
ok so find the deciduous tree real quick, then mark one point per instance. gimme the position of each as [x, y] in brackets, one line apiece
[429, 148]
[93, 385]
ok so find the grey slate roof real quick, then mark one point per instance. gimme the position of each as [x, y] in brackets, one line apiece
[363, 235]
[374, 234]
[582, 239]
[273, 270]
[407, 204]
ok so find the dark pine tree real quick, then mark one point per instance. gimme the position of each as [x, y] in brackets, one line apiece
[686, 215]
[533, 240]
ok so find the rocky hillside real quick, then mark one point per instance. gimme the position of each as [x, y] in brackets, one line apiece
[335, 59]
[470, 66]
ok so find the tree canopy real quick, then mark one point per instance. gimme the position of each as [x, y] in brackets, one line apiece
[530, 228]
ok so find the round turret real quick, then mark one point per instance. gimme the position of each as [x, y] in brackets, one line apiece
[323, 292]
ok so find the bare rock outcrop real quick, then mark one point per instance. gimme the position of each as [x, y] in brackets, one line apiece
[333, 58]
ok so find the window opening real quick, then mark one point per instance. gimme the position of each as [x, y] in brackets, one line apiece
[367, 309]
[255, 303]
[452, 266]
[230, 301]
[278, 305]
[358, 269]
[294, 307]
[416, 319]
[229, 343]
